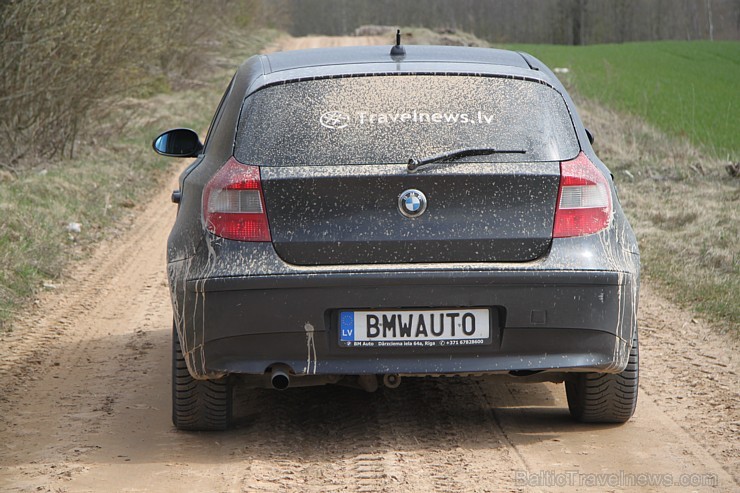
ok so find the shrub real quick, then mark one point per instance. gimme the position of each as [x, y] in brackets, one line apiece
[59, 59]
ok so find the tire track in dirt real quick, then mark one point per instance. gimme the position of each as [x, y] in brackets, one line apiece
[334, 436]
[85, 404]
[432, 436]
[444, 434]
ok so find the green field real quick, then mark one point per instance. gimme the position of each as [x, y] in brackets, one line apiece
[685, 88]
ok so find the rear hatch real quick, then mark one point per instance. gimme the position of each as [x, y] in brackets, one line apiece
[333, 156]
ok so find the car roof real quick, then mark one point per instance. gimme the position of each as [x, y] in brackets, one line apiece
[353, 55]
[261, 71]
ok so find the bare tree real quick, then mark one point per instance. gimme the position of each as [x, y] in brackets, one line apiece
[578, 8]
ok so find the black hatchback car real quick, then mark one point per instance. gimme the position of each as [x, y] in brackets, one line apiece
[360, 215]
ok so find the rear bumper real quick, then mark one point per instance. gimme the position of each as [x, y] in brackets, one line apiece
[541, 320]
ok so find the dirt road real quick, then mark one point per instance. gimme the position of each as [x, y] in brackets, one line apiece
[84, 406]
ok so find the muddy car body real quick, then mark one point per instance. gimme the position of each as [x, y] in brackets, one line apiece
[360, 217]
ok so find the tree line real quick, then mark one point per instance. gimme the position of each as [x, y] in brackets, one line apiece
[574, 22]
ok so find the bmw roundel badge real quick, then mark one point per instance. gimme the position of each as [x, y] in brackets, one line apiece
[412, 203]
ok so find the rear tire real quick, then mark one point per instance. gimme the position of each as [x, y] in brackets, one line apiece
[605, 397]
[198, 405]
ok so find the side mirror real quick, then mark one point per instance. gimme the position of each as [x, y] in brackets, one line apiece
[178, 142]
[590, 136]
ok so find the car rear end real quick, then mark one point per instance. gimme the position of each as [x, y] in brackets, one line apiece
[310, 266]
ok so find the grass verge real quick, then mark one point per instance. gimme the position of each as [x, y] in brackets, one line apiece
[113, 171]
[683, 206]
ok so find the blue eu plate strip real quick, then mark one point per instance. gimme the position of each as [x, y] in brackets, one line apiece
[347, 326]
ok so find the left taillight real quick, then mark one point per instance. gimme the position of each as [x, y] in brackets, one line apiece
[584, 203]
[234, 204]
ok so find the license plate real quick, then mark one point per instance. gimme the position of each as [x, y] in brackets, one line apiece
[420, 328]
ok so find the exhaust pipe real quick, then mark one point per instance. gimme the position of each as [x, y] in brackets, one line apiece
[279, 379]
[392, 381]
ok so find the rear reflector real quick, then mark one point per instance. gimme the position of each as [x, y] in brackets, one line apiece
[233, 203]
[584, 203]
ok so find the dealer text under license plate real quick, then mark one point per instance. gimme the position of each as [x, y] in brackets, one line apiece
[424, 328]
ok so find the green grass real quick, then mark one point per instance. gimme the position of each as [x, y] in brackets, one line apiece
[685, 88]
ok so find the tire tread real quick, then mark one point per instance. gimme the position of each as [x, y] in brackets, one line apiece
[605, 397]
[198, 405]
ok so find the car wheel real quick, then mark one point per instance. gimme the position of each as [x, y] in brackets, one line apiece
[605, 397]
[198, 405]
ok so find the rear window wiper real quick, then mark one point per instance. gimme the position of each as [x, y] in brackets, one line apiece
[446, 157]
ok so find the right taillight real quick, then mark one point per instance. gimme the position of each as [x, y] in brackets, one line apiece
[234, 205]
[584, 203]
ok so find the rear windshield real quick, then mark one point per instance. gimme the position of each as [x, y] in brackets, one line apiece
[390, 119]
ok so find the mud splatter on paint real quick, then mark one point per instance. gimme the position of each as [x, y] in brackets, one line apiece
[310, 349]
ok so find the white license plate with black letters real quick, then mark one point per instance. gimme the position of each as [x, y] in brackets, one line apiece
[421, 328]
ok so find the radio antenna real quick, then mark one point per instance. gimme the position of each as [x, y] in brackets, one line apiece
[398, 50]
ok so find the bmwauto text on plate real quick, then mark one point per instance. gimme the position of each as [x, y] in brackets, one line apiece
[415, 328]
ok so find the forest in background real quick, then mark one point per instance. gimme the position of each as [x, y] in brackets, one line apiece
[573, 22]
